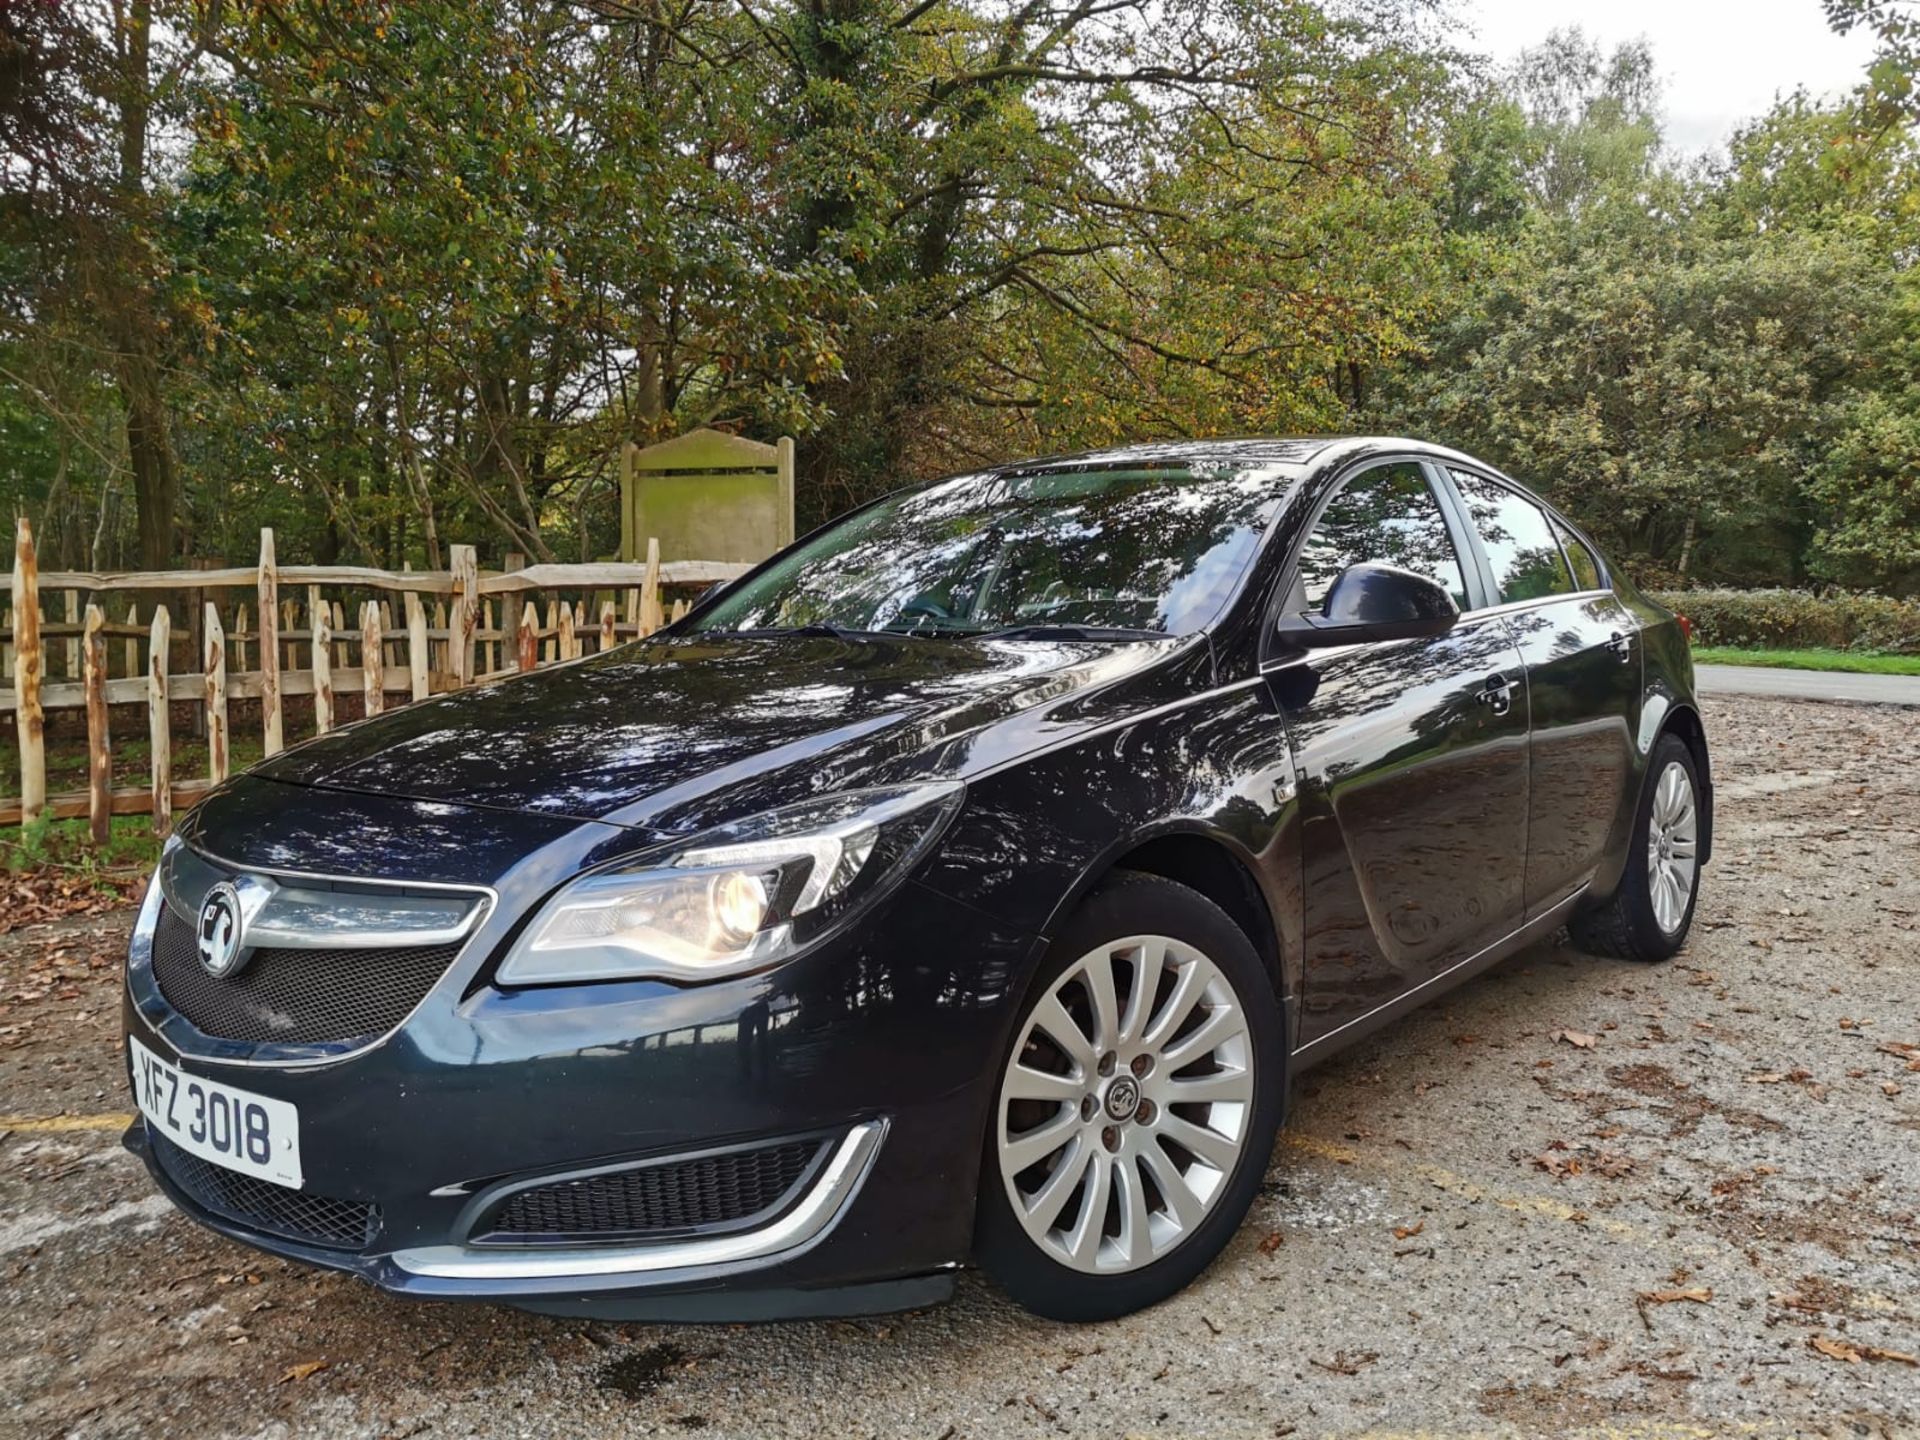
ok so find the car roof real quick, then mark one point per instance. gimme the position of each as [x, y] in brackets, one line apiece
[1295, 450]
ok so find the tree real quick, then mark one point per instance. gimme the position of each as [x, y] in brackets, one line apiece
[91, 85]
[1672, 392]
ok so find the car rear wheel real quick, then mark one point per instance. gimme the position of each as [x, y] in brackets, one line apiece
[1651, 912]
[1135, 1115]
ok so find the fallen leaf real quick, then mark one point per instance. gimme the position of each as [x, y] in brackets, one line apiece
[305, 1370]
[1273, 1241]
[1407, 1232]
[1345, 1364]
[1698, 1295]
[1854, 1354]
[1576, 1039]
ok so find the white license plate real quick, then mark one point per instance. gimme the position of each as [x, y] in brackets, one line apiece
[222, 1124]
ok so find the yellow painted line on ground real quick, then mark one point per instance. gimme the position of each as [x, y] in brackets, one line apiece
[58, 1124]
[1443, 1179]
[1626, 1430]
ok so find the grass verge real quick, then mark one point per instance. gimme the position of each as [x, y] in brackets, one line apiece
[1852, 662]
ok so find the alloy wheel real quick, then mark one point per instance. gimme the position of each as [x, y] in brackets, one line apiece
[1673, 832]
[1126, 1105]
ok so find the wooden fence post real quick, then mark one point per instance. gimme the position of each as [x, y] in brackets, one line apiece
[132, 647]
[214, 670]
[650, 616]
[607, 637]
[418, 668]
[99, 746]
[271, 742]
[28, 669]
[72, 601]
[466, 610]
[527, 638]
[322, 670]
[373, 659]
[566, 638]
[159, 720]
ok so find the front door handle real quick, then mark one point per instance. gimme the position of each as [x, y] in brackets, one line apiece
[1621, 645]
[1497, 694]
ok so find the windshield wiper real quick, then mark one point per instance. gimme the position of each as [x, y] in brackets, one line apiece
[1041, 631]
[814, 628]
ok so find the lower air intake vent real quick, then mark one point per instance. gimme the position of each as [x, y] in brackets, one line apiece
[729, 1191]
[262, 1205]
[295, 997]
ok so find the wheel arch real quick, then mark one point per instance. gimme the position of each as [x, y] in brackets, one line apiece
[1203, 860]
[1683, 721]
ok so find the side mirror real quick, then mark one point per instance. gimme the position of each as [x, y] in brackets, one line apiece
[1374, 602]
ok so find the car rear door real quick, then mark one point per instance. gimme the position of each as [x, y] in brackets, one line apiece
[1582, 652]
[1411, 758]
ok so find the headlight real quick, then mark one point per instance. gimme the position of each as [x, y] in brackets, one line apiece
[739, 898]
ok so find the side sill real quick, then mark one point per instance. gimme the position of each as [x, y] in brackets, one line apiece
[1334, 1041]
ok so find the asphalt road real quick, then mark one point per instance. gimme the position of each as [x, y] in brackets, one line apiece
[1808, 684]
[1575, 1198]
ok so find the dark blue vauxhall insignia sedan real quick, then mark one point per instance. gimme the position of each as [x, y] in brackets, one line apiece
[969, 881]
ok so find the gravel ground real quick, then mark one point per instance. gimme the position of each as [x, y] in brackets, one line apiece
[1574, 1197]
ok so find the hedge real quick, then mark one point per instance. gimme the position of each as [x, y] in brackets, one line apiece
[1798, 619]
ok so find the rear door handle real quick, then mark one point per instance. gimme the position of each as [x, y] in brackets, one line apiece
[1497, 694]
[1621, 645]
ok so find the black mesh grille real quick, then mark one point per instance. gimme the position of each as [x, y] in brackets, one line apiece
[294, 997]
[715, 1191]
[262, 1205]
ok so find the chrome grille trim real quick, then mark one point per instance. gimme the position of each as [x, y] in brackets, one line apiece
[186, 1040]
[344, 916]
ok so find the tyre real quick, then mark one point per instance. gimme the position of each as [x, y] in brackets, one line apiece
[1135, 1113]
[1649, 915]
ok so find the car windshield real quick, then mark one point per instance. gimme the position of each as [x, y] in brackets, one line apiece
[1150, 549]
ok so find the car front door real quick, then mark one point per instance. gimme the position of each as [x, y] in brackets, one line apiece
[1581, 648]
[1411, 759]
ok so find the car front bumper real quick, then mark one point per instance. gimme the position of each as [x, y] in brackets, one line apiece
[881, 1044]
[696, 1281]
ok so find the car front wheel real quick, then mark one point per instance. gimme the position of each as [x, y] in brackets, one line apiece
[1135, 1115]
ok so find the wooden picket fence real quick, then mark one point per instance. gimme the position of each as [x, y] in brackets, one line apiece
[453, 628]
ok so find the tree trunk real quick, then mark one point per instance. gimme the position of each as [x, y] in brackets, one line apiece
[156, 477]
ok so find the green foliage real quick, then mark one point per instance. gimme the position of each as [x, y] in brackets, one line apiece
[50, 844]
[1799, 619]
[1662, 387]
[390, 274]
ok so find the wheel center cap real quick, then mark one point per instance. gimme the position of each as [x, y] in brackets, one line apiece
[1123, 1097]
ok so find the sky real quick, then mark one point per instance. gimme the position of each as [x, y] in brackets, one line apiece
[1721, 61]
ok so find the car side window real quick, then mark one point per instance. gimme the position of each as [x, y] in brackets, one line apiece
[1586, 567]
[1526, 559]
[1387, 514]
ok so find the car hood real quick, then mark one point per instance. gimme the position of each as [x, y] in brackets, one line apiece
[644, 734]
